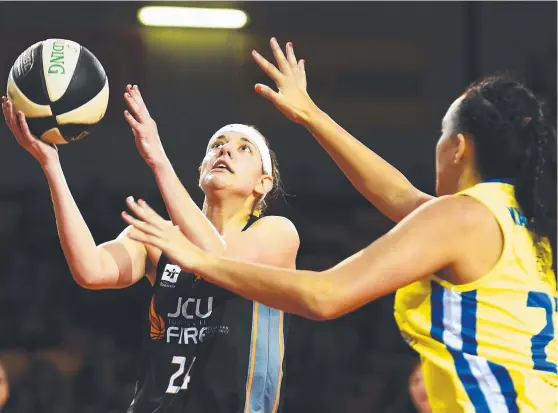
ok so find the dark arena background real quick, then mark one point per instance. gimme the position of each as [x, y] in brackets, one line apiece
[385, 71]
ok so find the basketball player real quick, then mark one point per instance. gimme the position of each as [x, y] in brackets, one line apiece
[205, 350]
[473, 269]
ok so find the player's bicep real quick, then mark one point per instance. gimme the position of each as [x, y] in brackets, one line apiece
[123, 261]
[420, 245]
[270, 241]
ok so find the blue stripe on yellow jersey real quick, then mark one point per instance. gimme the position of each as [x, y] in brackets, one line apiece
[490, 345]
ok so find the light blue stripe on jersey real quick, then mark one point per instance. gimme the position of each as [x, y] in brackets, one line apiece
[268, 359]
[454, 323]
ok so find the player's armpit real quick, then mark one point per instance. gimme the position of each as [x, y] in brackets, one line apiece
[271, 240]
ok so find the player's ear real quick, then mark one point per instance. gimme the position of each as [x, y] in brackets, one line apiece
[264, 185]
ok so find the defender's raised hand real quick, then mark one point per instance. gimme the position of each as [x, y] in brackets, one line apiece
[290, 77]
[143, 127]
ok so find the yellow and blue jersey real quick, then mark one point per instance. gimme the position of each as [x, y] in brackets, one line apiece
[490, 345]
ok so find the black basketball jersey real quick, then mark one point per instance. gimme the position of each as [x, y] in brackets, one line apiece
[207, 350]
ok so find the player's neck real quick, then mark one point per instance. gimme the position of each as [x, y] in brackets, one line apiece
[469, 178]
[227, 215]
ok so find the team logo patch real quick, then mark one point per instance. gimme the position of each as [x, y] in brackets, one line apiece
[170, 274]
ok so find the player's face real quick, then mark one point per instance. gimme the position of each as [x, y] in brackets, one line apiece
[234, 163]
[448, 170]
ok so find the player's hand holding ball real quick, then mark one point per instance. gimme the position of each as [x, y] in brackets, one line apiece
[291, 99]
[41, 151]
[144, 128]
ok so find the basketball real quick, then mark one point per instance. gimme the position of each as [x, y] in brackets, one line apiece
[62, 89]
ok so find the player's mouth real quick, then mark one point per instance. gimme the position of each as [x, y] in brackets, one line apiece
[222, 165]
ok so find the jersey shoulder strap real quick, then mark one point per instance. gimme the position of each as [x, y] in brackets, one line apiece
[250, 222]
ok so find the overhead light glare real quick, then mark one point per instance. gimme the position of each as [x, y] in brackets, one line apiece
[168, 16]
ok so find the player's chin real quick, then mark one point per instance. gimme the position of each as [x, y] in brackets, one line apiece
[216, 180]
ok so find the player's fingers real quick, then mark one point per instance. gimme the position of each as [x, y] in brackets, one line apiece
[134, 124]
[268, 67]
[135, 108]
[302, 71]
[135, 233]
[291, 58]
[22, 123]
[140, 236]
[300, 66]
[26, 134]
[136, 209]
[15, 126]
[280, 58]
[136, 94]
[268, 93]
[146, 213]
[5, 111]
[12, 115]
[141, 225]
[153, 217]
[11, 120]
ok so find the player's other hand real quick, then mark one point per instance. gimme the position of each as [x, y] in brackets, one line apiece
[144, 128]
[152, 229]
[43, 152]
[289, 76]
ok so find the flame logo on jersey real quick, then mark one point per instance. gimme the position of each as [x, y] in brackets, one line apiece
[157, 330]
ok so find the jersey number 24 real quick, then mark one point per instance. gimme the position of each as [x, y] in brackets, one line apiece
[181, 361]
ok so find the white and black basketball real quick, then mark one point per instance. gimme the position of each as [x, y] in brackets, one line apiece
[62, 89]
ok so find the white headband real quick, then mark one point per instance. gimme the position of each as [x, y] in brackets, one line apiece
[254, 137]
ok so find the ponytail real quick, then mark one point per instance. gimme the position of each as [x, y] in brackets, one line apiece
[535, 183]
[514, 140]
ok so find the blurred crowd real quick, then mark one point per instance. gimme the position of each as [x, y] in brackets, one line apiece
[69, 350]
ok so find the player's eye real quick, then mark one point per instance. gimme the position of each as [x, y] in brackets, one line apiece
[245, 148]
